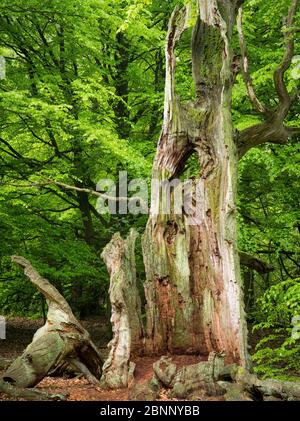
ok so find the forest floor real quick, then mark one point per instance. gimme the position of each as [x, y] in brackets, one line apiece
[19, 333]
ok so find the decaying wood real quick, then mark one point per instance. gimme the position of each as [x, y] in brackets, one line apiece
[193, 286]
[61, 340]
[29, 394]
[247, 386]
[4, 363]
[126, 321]
[188, 379]
[213, 378]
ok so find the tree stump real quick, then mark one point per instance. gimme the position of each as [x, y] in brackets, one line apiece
[126, 311]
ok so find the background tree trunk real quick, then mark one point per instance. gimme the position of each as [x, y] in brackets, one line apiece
[193, 287]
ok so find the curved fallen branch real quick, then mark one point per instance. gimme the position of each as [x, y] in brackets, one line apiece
[61, 340]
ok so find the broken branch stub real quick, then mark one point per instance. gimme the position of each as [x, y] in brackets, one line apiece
[127, 327]
[61, 340]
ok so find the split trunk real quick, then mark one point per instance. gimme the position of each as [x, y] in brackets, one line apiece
[193, 287]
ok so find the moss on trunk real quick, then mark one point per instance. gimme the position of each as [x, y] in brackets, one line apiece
[193, 287]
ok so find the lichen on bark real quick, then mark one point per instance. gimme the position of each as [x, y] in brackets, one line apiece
[193, 286]
[119, 256]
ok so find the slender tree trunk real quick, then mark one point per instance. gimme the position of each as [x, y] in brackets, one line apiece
[193, 287]
[87, 221]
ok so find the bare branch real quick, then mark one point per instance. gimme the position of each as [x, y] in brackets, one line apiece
[269, 131]
[258, 105]
[91, 192]
[282, 92]
[293, 131]
[272, 129]
[254, 263]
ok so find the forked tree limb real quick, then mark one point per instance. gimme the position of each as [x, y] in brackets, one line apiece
[289, 42]
[272, 129]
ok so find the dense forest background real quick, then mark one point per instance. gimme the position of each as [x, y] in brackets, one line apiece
[82, 100]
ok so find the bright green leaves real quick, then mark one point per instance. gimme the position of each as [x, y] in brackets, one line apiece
[295, 72]
[279, 311]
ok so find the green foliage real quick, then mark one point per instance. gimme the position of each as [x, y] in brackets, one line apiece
[277, 354]
[82, 100]
[69, 69]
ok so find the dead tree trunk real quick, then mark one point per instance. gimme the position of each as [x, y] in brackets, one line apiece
[61, 340]
[193, 287]
[126, 311]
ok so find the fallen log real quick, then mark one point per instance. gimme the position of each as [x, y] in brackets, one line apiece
[214, 378]
[186, 380]
[263, 389]
[62, 340]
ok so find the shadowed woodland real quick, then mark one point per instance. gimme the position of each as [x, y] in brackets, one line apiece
[201, 306]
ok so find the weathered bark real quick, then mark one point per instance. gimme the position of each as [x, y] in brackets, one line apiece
[126, 311]
[61, 340]
[188, 379]
[212, 378]
[193, 287]
[4, 363]
[247, 386]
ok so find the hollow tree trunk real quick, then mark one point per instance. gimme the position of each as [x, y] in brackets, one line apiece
[193, 287]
